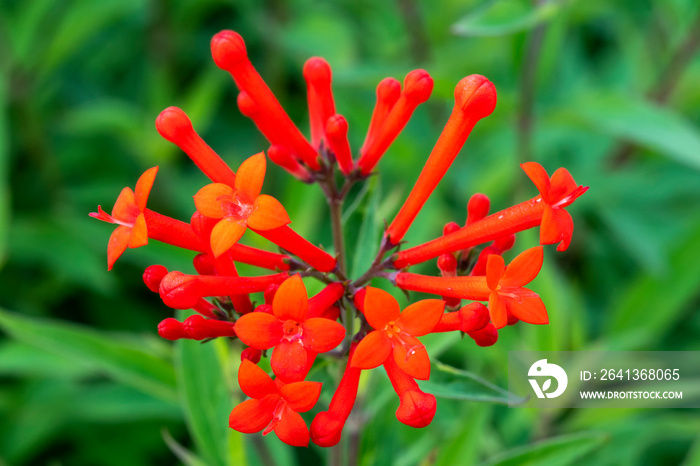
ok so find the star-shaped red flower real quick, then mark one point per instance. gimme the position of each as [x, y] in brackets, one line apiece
[273, 405]
[557, 192]
[296, 338]
[240, 207]
[128, 213]
[507, 288]
[395, 333]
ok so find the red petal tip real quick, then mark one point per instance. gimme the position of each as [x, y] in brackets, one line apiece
[228, 50]
[153, 275]
[173, 124]
[477, 95]
[418, 85]
[317, 70]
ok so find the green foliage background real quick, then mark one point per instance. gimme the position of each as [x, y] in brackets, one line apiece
[607, 89]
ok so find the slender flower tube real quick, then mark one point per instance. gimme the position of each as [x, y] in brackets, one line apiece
[174, 125]
[171, 329]
[154, 275]
[318, 76]
[327, 426]
[470, 318]
[475, 98]
[395, 333]
[388, 92]
[181, 291]
[326, 298]
[545, 210]
[479, 269]
[128, 214]
[229, 53]
[273, 406]
[289, 240]
[417, 408]
[199, 328]
[296, 337]
[337, 138]
[281, 156]
[416, 89]
[502, 287]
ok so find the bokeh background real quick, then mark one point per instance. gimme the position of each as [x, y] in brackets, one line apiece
[607, 89]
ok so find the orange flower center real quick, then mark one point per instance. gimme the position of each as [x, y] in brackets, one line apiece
[394, 332]
[236, 205]
[291, 330]
[392, 329]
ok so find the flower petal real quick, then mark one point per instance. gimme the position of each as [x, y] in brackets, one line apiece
[301, 396]
[421, 318]
[372, 351]
[143, 187]
[495, 268]
[125, 208]
[563, 184]
[524, 268]
[208, 199]
[291, 302]
[292, 429]
[530, 310]
[139, 233]
[251, 174]
[254, 381]
[118, 241]
[225, 234]
[417, 409]
[321, 335]
[412, 358]
[557, 226]
[259, 330]
[538, 175]
[380, 308]
[268, 213]
[497, 309]
[253, 415]
[289, 361]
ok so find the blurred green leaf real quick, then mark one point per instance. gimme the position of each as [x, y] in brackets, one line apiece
[630, 118]
[4, 171]
[364, 250]
[205, 393]
[498, 18]
[457, 384]
[183, 454]
[119, 357]
[565, 449]
[24, 360]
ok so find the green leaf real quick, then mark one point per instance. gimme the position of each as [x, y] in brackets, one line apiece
[205, 392]
[565, 449]
[367, 237]
[4, 171]
[498, 18]
[630, 118]
[456, 384]
[124, 359]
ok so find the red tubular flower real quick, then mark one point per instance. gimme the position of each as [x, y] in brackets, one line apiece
[487, 336]
[450, 227]
[174, 125]
[337, 138]
[153, 276]
[204, 264]
[282, 157]
[327, 426]
[479, 269]
[258, 257]
[199, 328]
[289, 240]
[318, 75]
[241, 206]
[502, 287]
[388, 92]
[477, 208]
[326, 298]
[561, 190]
[395, 333]
[128, 213]
[273, 406]
[229, 53]
[416, 89]
[470, 318]
[447, 263]
[417, 408]
[475, 98]
[181, 291]
[171, 329]
[295, 337]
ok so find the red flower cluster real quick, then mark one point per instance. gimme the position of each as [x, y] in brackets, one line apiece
[297, 328]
